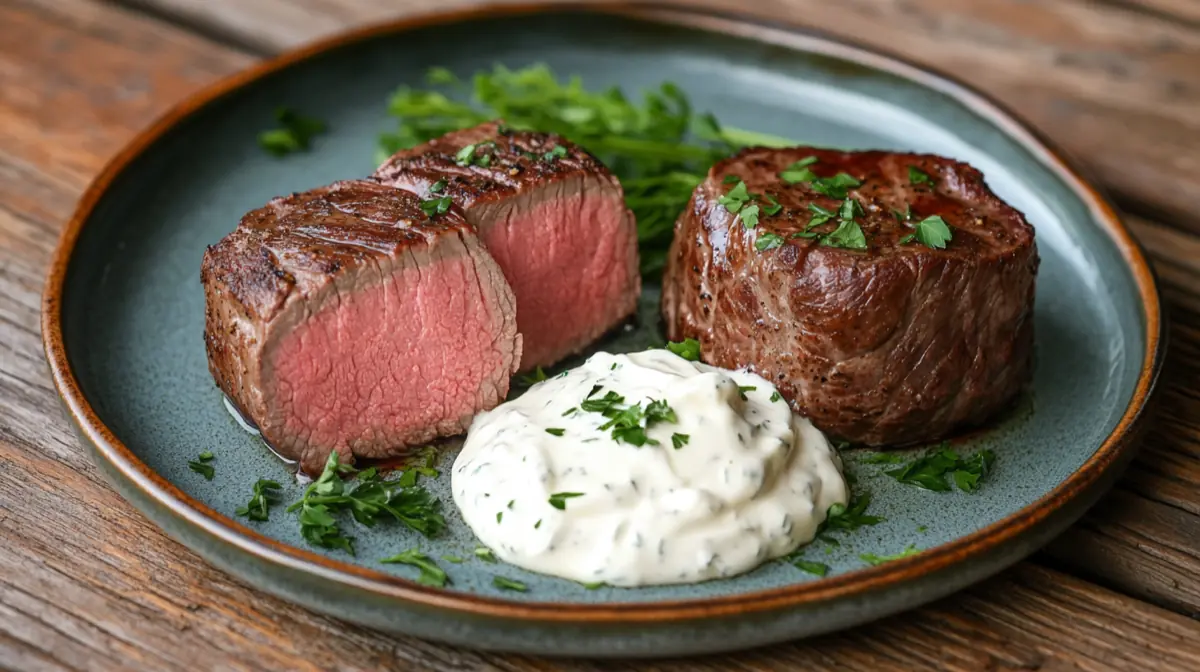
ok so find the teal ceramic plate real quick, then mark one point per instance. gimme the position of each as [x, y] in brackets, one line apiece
[124, 315]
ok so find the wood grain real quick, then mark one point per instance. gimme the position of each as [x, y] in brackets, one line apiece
[86, 583]
[1116, 83]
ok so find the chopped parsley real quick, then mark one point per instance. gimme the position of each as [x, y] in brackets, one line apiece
[848, 235]
[537, 524]
[773, 208]
[454, 559]
[554, 154]
[537, 376]
[931, 232]
[201, 465]
[484, 553]
[775, 396]
[499, 517]
[767, 241]
[595, 585]
[265, 494]
[743, 389]
[731, 179]
[466, 155]
[799, 172]
[628, 423]
[437, 187]
[873, 559]
[436, 206]
[918, 176]
[509, 584]
[816, 568]
[679, 440]
[431, 574]
[295, 133]
[939, 469]
[570, 411]
[738, 202]
[555, 431]
[688, 348]
[846, 518]
[367, 499]
[559, 499]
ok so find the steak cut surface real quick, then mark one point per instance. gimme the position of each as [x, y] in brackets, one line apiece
[893, 344]
[553, 217]
[346, 318]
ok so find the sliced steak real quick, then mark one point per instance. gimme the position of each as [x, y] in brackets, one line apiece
[893, 344]
[552, 216]
[345, 318]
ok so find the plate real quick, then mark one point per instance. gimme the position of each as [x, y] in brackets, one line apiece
[123, 320]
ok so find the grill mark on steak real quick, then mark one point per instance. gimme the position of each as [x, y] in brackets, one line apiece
[895, 344]
[302, 261]
[574, 279]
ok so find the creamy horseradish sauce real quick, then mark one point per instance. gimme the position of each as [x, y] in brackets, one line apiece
[645, 469]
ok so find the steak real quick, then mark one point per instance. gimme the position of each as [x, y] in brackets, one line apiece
[346, 318]
[894, 344]
[553, 217]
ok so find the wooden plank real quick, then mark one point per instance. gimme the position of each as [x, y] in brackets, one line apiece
[1115, 83]
[96, 601]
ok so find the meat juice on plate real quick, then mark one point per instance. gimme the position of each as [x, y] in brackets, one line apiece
[645, 469]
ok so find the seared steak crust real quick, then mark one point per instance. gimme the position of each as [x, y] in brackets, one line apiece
[509, 176]
[305, 252]
[516, 162]
[895, 344]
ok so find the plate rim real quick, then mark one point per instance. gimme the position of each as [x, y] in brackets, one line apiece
[864, 581]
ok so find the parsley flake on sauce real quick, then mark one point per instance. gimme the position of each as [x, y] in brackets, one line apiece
[555, 431]
[679, 440]
[559, 499]
[688, 348]
[743, 389]
[931, 232]
[775, 396]
[431, 574]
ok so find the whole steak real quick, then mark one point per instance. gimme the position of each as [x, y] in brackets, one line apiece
[553, 217]
[347, 318]
[847, 295]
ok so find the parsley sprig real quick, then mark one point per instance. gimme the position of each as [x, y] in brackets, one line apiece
[628, 423]
[368, 499]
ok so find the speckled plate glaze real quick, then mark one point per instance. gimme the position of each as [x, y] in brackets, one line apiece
[124, 312]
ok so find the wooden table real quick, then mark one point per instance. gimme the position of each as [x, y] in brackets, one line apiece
[86, 583]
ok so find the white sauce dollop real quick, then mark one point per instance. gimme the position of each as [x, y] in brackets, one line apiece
[752, 483]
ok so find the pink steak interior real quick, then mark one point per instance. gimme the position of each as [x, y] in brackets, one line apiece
[394, 361]
[566, 259]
